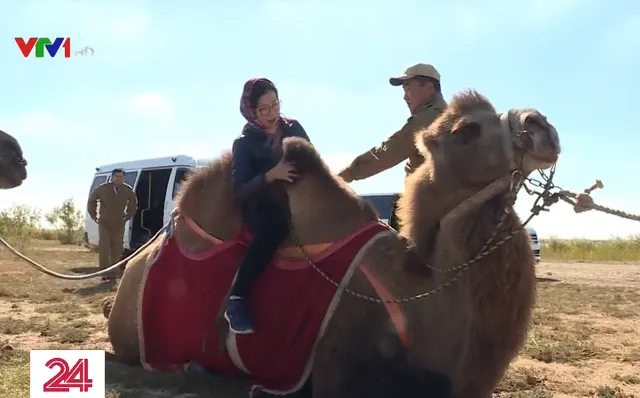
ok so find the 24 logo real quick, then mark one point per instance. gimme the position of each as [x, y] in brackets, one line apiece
[67, 373]
[65, 379]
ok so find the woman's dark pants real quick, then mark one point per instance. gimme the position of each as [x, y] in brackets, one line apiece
[269, 227]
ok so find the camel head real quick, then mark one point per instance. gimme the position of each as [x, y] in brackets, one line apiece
[536, 143]
[13, 166]
[467, 143]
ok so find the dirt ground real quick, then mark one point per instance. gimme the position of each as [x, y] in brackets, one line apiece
[584, 341]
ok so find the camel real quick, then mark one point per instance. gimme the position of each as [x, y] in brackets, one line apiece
[13, 166]
[468, 330]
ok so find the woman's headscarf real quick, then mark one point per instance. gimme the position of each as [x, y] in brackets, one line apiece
[245, 107]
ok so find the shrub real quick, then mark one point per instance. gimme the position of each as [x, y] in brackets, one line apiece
[19, 223]
[68, 221]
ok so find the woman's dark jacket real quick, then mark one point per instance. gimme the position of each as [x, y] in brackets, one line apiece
[253, 155]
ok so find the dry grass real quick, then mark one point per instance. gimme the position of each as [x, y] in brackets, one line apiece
[584, 340]
[627, 250]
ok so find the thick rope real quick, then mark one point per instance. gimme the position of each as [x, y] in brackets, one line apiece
[167, 229]
[584, 202]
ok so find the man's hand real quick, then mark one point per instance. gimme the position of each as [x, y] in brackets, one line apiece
[95, 220]
[345, 174]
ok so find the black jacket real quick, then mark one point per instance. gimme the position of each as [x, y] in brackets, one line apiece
[253, 157]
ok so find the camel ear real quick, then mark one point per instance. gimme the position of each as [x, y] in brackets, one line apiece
[537, 119]
[464, 132]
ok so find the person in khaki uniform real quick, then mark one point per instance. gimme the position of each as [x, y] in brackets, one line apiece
[113, 197]
[421, 84]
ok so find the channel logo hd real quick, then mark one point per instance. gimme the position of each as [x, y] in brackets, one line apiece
[67, 374]
[59, 47]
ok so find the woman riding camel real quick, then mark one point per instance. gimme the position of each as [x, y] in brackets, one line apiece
[257, 163]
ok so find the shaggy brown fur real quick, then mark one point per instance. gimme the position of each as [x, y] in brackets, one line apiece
[497, 293]
[323, 207]
[13, 166]
[469, 331]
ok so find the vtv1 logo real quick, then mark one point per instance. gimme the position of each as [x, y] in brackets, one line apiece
[67, 373]
[42, 43]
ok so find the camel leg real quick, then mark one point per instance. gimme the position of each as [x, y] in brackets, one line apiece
[380, 378]
[361, 356]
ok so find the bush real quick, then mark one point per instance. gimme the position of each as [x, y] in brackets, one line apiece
[46, 234]
[19, 223]
[68, 221]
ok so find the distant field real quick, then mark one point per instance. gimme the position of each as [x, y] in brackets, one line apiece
[624, 250]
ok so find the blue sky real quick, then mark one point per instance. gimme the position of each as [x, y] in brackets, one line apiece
[166, 78]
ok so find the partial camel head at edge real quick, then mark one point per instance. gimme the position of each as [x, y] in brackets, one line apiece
[13, 166]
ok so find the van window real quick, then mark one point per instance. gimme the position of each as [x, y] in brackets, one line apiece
[130, 177]
[99, 180]
[181, 174]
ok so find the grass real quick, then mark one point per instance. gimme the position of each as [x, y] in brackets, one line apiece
[584, 340]
[623, 250]
[577, 331]
[14, 373]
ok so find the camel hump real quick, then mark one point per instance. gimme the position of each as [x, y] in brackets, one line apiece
[468, 101]
[304, 156]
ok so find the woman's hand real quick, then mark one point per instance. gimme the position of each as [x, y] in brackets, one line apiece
[282, 171]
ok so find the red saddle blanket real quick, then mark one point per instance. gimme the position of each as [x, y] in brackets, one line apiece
[291, 305]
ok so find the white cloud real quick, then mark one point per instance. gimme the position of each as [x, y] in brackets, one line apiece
[152, 105]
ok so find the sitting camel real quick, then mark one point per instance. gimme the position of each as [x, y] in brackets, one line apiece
[13, 166]
[468, 328]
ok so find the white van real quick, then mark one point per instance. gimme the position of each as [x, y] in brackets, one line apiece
[155, 182]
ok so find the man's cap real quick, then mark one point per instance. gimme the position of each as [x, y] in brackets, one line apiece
[426, 70]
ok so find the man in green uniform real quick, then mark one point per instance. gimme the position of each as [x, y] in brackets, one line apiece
[421, 84]
[114, 197]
